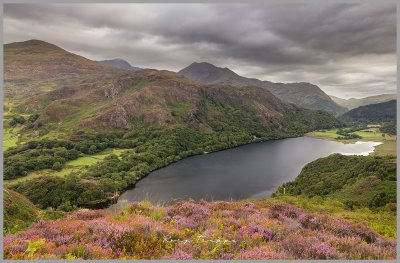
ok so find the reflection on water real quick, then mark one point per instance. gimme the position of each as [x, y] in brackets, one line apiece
[249, 171]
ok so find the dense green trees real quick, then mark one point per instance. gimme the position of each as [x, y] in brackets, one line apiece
[357, 181]
[373, 113]
[64, 193]
[347, 133]
[389, 128]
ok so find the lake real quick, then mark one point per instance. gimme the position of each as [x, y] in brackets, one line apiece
[248, 171]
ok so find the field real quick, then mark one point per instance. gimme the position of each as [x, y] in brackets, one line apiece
[11, 142]
[389, 147]
[10, 137]
[93, 159]
[370, 134]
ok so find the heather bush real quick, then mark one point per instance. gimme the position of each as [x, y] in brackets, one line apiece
[260, 253]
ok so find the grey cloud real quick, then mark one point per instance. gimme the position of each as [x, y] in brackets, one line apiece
[278, 42]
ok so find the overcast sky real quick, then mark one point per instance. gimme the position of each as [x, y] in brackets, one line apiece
[348, 50]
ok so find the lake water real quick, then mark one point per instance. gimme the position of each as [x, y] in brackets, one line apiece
[249, 171]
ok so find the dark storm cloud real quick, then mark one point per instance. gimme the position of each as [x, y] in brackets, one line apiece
[346, 49]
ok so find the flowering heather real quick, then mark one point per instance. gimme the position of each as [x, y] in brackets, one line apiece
[203, 230]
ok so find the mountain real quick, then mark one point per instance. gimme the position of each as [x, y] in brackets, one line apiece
[119, 63]
[163, 97]
[354, 103]
[301, 94]
[34, 66]
[373, 113]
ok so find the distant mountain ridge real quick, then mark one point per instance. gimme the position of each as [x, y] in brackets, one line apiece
[355, 103]
[119, 63]
[373, 113]
[302, 94]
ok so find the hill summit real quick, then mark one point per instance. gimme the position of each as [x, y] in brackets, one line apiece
[34, 66]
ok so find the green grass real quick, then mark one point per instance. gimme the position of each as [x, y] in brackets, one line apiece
[331, 134]
[93, 159]
[85, 160]
[6, 136]
[9, 133]
[10, 143]
[389, 147]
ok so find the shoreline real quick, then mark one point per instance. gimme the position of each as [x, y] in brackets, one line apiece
[256, 194]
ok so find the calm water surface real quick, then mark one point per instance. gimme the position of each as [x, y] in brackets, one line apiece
[249, 171]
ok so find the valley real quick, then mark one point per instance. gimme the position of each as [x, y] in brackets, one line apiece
[201, 155]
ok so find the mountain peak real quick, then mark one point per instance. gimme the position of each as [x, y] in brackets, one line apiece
[205, 65]
[204, 72]
[119, 63]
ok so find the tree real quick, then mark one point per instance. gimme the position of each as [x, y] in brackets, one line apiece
[57, 166]
[92, 149]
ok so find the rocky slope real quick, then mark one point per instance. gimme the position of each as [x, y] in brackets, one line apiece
[302, 94]
[167, 98]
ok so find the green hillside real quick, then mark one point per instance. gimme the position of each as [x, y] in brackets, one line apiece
[373, 113]
[19, 213]
[357, 181]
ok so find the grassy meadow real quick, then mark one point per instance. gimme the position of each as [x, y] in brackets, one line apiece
[372, 133]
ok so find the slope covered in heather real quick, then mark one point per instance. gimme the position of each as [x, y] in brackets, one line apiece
[186, 230]
[302, 94]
